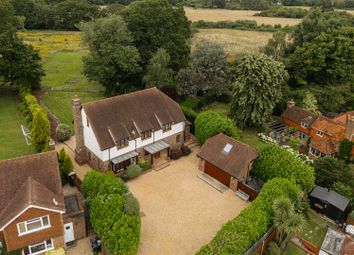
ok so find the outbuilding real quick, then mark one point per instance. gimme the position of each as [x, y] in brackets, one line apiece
[228, 161]
[330, 204]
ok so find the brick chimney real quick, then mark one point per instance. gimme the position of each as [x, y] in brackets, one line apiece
[291, 103]
[80, 150]
[350, 127]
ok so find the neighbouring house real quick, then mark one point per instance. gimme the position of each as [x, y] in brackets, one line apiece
[337, 243]
[113, 133]
[321, 135]
[31, 204]
[330, 203]
[228, 161]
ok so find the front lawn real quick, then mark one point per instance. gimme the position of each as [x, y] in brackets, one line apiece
[12, 142]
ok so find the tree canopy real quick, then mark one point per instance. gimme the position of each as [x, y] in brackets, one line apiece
[156, 24]
[113, 59]
[206, 72]
[258, 87]
[274, 161]
[210, 123]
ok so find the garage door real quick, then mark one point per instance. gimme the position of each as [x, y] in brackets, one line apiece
[216, 173]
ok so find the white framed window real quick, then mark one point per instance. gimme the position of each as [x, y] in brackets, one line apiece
[302, 136]
[319, 133]
[38, 248]
[34, 225]
[166, 127]
[315, 152]
[304, 125]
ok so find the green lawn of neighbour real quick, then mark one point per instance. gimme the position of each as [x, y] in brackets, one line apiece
[12, 142]
[292, 249]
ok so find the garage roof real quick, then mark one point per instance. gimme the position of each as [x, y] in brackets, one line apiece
[236, 162]
[331, 197]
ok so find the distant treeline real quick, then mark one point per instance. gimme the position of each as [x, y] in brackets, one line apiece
[284, 12]
[240, 25]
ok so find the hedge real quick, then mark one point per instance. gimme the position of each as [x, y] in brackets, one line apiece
[210, 123]
[274, 161]
[238, 24]
[114, 214]
[133, 171]
[239, 234]
[284, 12]
[191, 115]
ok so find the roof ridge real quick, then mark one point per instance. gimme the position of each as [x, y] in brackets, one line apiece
[121, 95]
[28, 156]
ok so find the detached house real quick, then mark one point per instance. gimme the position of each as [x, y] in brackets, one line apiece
[322, 134]
[112, 133]
[31, 204]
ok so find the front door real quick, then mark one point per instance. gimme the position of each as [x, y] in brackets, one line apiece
[69, 233]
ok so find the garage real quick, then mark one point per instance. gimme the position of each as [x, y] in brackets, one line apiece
[217, 173]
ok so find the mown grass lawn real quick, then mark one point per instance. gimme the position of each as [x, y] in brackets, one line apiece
[12, 142]
[292, 249]
[59, 103]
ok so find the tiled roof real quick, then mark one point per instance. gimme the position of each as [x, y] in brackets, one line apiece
[327, 147]
[329, 127]
[236, 162]
[127, 115]
[30, 180]
[342, 118]
[298, 115]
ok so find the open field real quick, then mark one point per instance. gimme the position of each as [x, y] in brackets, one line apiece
[234, 41]
[49, 42]
[232, 15]
[12, 142]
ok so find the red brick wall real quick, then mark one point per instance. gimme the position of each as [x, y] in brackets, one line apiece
[297, 126]
[13, 241]
[316, 138]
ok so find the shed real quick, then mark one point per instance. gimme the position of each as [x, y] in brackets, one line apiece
[330, 203]
[226, 160]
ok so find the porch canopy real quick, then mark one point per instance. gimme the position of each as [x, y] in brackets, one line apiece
[124, 157]
[156, 147]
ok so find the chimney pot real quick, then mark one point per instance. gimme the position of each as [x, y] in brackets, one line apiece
[291, 103]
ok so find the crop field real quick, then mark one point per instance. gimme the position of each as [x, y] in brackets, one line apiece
[232, 15]
[234, 41]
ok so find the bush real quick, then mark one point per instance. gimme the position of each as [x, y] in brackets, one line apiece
[185, 150]
[345, 150]
[175, 154]
[145, 165]
[193, 103]
[107, 198]
[239, 234]
[65, 166]
[133, 171]
[238, 24]
[191, 115]
[210, 123]
[131, 204]
[63, 132]
[284, 12]
[274, 161]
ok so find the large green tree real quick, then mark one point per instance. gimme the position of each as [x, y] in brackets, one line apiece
[158, 74]
[206, 72]
[156, 24]
[258, 87]
[19, 63]
[276, 46]
[113, 59]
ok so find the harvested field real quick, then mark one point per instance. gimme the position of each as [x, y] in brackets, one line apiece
[232, 15]
[234, 41]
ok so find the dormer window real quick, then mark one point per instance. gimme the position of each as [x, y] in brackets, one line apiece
[145, 134]
[319, 133]
[87, 122]
[166, 127]
[304, 125]
[123, 143]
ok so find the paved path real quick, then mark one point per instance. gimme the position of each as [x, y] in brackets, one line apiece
[181, 211]
[69, 147]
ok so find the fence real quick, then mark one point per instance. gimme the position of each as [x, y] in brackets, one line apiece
[248, 190]
[262, 244]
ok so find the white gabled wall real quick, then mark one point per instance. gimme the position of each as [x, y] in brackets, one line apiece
[90, 138]
[92, 144]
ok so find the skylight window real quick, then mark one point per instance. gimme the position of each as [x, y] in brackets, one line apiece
[227, 148]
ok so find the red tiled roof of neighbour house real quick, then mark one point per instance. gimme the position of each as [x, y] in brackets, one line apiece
[348, 245]
[329, 127]
[327, 147]
[29, 181]
[127, 115]
[298, 115]
[236, 162]
[342, 118]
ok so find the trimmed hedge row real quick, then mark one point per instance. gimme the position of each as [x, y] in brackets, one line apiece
[239, 234]
[114, 212]
[274, 161]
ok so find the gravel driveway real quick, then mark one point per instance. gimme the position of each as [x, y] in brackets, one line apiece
[182, 212]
